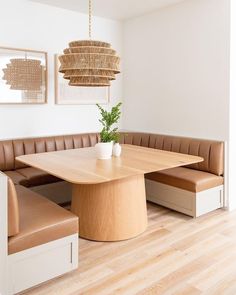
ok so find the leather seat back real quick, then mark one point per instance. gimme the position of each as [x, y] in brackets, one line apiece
[13, 210]
[212, 151]
[9, 149]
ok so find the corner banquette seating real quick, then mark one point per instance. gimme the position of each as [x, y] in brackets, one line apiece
[41, 232]
[193, 190]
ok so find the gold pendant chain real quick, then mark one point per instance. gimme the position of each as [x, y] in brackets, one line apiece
[90, 19]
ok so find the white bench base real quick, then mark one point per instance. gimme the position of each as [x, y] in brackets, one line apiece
[193, 204]
[34, 266]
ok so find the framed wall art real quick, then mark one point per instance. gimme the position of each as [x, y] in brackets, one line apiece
[73, 95]
[23, 76]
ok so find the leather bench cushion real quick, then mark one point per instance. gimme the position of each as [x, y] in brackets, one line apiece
[17, 178]
[31, 176]
[36, 177]
[41, 221]
[187, 179]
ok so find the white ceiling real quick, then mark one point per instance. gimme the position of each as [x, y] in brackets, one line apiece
[114, 9]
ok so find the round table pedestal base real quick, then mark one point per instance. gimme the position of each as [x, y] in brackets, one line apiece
[111, 211]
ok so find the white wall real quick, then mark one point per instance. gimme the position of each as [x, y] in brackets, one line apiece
[25, 24]
[232, 142]
[177, 70]
[177, 75]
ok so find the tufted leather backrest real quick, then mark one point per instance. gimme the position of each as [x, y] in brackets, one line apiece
[212, 151]
[141, 139]
[9, 149]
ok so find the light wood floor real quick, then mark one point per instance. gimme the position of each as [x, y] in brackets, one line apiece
[177, 255]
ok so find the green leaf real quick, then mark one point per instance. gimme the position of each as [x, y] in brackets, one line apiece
[108, 119]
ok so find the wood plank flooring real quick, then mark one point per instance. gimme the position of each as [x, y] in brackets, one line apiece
[177, 255]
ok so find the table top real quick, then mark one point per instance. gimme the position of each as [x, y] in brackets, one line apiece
[80, 166]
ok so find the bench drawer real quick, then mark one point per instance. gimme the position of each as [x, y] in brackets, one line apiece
[190, 203]
[39, 264]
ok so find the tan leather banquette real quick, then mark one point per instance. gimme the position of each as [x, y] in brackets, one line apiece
[34, 220]
[196, 177]
[193, 190]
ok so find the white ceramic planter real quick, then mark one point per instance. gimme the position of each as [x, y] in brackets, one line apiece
[104, 150]
[116, 150]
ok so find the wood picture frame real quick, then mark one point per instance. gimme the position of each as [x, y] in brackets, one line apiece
[72, 95]
[30, 88]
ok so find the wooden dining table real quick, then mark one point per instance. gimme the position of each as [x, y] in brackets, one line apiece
[108, 195]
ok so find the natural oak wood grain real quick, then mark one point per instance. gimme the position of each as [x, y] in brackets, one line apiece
[80, 166]
[111, 211]
[108, 195]
[176, 255]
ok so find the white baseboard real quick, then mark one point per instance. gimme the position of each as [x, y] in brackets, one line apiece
[58, 192]
[34, 266]
[190, 203]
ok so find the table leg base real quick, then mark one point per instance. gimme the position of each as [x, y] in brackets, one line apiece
[111, 211]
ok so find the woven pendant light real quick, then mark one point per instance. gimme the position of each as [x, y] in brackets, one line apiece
[24, 74]
[89, 63]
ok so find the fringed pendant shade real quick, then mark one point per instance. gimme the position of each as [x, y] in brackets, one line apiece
[24, 74]
[89, 63]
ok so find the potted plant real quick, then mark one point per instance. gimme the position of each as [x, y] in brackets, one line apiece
[109, 134]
